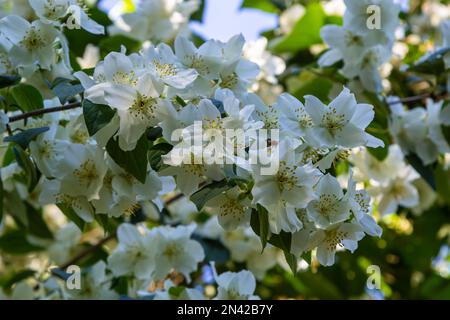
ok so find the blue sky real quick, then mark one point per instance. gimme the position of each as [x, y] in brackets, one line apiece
[223, 19]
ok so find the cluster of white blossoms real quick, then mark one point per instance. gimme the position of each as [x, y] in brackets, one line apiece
[154, 20]
[364, 43]
[190, 94]
[35, 47]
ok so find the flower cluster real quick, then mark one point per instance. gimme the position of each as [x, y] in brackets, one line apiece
[364, 45]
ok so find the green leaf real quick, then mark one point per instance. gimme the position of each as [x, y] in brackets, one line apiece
[16, 277]
[96, 116]
[433, 63]
[292, 261]
[176, 291]
[64, 89]
[155, 155]
[8, 80]
[308, 83]
[259, 221]
[208, 192]
[2, 194]
[27, 97]
[264, 5]
[443, 183]
[214, 249]
[72, 216]
[305, 33]
[114, 44]
[28, 166]
[426, 172]
[134, 162]
[24, 138]
[36, 223]
[15, 242]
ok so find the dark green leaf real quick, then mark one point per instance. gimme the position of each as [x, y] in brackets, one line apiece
[15, 242]
[260, 224]
[72, 216]
[36, 224]
[427, 172]
[291, 260]
[8, 80]
[96, 116]
[27, 97]
[114, 43]
[134, 162]
[28, 166]
[214, 249]
[24, 138]
[155, 155]
[433, 63]
[208, 192]
[65, 90]
[264, 5]
[17, 277]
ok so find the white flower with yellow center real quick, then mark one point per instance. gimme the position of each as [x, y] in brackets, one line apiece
[341, 123]
[231, 209]
[137, 108]
[174, 250]
[282, 192]
[32, 42]
[236, 286]
[337, 237]
[81, 170]
[55, 11]
[331, 206]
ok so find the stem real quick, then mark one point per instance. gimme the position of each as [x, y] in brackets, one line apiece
[88, 251]
[39, 112]
[419, 98]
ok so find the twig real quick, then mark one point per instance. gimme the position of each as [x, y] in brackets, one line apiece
[88, 251]
[418, 98]
[44, 111]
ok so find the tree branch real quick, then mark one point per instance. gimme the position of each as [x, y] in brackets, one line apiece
[39, 112]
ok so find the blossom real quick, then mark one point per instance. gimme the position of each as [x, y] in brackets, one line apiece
[173, 249]
[331, 206]
[343, 235]
[236, 286]
[290, 187]
[341, 123]
[54, 11]
[66, 239]
[31, 41]
[133, 255]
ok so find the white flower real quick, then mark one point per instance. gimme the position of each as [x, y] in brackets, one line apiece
[419, 130]
[166, 67]
[32, 42]
[294, 119]
[236, 286]
[232, 211]
[66, 239]
[173, 249]
[341, 123]
[81, 170]
[54, 11]
[155, 20]
[356, 15]
[289, 188]
[206, 60]
[95, 284]
[271, 66]
[331, 206]
[133, 255]
[344, 235]
[52, 194]
[137, 108]
[48, 151]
